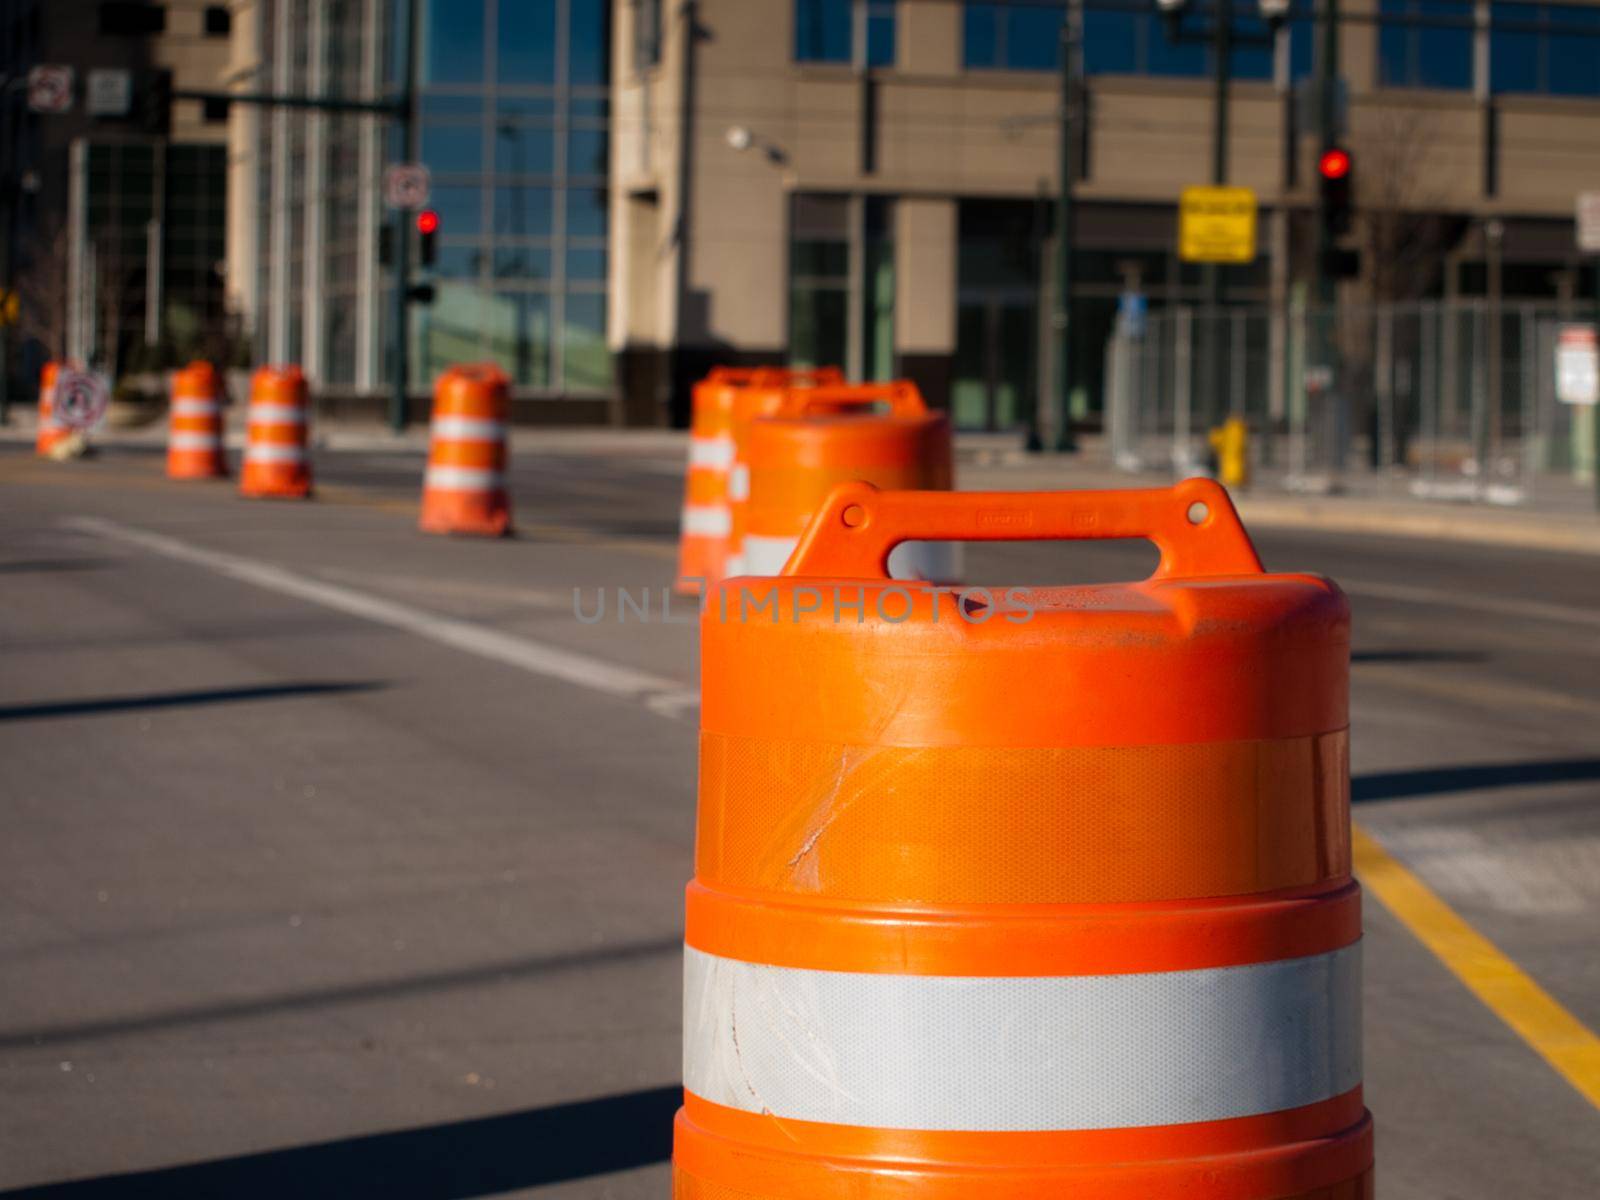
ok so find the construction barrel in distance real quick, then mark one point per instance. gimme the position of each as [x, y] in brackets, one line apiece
[464, 489]
[705, 543]
[51, 432]
[879, 433]
[194, 435]
[276, 463]
[1003, 894]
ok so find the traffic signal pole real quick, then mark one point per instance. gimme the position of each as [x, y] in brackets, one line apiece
[1061, 318]
[407, 113]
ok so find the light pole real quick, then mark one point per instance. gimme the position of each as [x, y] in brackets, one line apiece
[1222, 38]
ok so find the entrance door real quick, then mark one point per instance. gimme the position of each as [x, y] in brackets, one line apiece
[997, 336]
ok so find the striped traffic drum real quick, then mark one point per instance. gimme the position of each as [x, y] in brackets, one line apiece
[1008, 893]
[879, 433]
[276, 464]
[464, 489]
[194, 437]
[51, 432]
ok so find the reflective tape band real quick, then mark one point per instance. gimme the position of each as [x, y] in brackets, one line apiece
[277, 414]
[716, 453]
[738, 483]
[707, 520]
[269, 452]
[195, 408]
[766, 555]
[194, 441]
[469, 429]
[464, 479]
[1025, 1053]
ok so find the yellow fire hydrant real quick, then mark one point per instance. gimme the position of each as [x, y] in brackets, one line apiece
[1230, 442]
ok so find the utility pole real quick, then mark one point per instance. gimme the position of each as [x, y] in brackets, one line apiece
[1221, 67]
[1061, 319]
[406, 114]
[1327, 76]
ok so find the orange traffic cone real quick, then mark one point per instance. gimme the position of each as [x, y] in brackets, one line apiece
[51, 432]
[1023, 893]
[275, 459]
[194, 437]
[464, 490]
[723, 401]
[825, 436]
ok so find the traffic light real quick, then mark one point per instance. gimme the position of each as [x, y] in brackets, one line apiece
[1333, 168]
[427, 235]
[152, 104]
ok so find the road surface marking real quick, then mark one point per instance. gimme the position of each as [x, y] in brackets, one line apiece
[1535, 610]
[1531, 1012]
[663, 696]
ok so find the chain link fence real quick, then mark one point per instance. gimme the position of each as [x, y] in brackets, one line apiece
[1438, 400]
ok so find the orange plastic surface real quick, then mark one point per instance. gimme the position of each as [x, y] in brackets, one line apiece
[197, 381]
[283, 386]
[478, 392]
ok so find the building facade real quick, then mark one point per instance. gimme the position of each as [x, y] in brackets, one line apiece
[513, 121]
[869, 181]
[114, 234]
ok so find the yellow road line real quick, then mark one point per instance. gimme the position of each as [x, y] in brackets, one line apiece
[1532, 1013]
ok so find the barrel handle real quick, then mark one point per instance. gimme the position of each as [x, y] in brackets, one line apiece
[903, 398]
[1192, 523]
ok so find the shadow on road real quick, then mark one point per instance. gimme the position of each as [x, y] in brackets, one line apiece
[1432, 781]
[114, 704]
[483, 1157]
[353, 993]
[50, 566]
[1418, 656]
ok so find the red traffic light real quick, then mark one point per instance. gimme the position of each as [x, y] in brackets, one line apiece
[427, 221]
[1334, 163]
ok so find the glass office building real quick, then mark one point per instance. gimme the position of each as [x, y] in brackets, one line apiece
[513, 122]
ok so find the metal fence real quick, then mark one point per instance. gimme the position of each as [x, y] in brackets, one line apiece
[1439, 400]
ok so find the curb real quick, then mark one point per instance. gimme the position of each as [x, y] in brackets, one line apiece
[1552, 533]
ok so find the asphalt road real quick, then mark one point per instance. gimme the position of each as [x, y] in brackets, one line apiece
[339, 860]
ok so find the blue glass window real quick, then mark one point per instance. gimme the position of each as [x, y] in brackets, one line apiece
[587, 153]
[452, 41]
[524, 148]
[1544, 48]
[586, 212]
[1111, 40]
[522, 211]
[588, 45]
[824, 31]
[525, 50]
[1025, 36]
[1428, 56]
[460, 210]
[453, 149]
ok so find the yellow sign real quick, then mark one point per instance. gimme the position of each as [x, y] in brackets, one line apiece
[10, 308]
[1217, 225]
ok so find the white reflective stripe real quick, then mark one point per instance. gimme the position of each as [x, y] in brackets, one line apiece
[194, 441]
[195, 408]
[269, 452]
[707, 520]
[989, 1054]
[711, 452]
[734, 565]
[936, 562]
[766, 555]
[277, 414]
[470, 428]
[738, 482]
[470, 479]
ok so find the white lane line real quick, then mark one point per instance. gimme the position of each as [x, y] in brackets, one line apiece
[1533, 609]
[663, 696]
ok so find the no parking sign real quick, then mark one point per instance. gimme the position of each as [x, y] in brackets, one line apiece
[81, 399]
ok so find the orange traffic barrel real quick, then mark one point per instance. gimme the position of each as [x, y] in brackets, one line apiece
[768, 390]
[880, 433]
[275, 460]
[194, 436]
[464, 490]
[1006, 893]
[51, 432]
[724, 403]
[706, 522]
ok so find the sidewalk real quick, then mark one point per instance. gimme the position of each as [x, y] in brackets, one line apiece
[1559, 516]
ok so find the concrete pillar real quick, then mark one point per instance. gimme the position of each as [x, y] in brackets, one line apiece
[926, 243]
